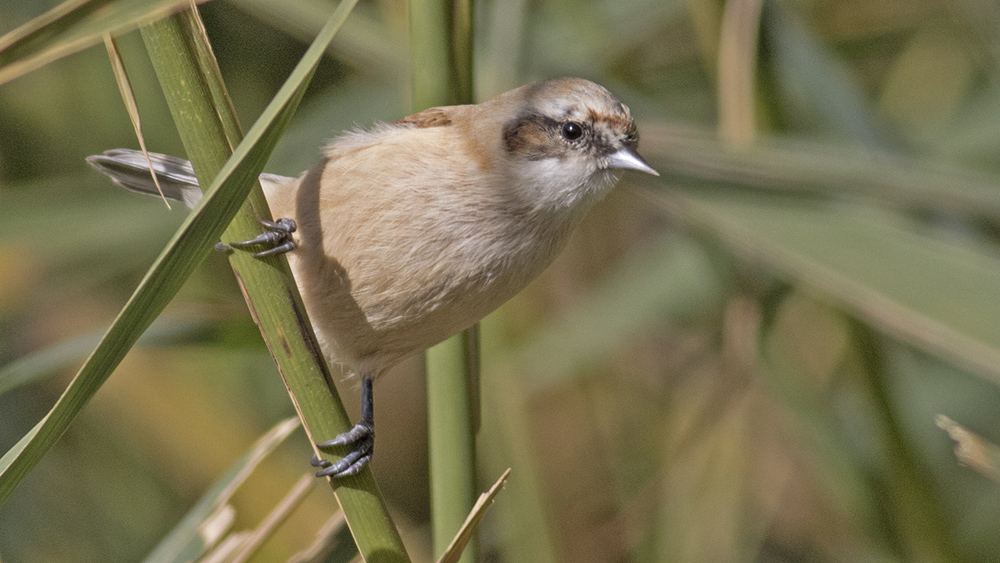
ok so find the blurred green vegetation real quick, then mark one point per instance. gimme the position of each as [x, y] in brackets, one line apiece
[739, 361]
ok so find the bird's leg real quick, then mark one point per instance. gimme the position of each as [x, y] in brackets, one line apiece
[278, 237]
[361, 438]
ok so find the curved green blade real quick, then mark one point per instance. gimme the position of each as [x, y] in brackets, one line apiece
[183, 253]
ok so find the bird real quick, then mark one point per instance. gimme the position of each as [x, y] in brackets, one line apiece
[407, 233]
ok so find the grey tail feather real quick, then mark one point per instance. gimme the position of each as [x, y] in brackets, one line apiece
[128, 168]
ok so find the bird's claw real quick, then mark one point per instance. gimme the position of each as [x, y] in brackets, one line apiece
[362, 438]
[278, 236]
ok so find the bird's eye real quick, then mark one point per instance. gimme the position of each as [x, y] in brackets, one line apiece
[572, 131]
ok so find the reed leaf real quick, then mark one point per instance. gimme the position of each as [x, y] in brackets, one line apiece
[73, 26]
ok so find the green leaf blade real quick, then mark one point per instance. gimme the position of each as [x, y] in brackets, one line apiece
[185, 251]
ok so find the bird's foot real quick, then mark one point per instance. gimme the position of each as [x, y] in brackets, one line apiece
[278, 237]
[361, 438]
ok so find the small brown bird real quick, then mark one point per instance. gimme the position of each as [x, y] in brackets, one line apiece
[411, 232]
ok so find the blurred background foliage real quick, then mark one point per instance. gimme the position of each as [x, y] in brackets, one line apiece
[739, 361]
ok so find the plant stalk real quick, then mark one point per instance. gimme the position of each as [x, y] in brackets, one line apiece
[441, 38]
[192, 84]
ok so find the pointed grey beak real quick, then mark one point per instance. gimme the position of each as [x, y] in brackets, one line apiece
[628, 159]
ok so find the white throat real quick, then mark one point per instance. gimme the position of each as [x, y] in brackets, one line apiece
[560, 186]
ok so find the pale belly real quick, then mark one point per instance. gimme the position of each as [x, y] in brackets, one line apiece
[372, 314]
